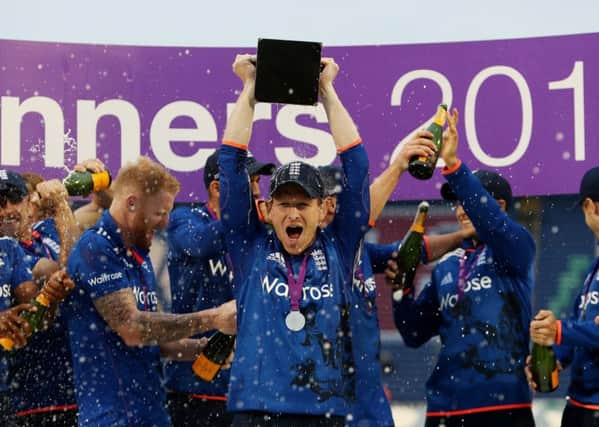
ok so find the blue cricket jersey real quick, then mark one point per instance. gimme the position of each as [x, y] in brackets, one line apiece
[115, 384]
[372, 406]
[13, 271]
[310, 371]
[200, 279]
[484, 327]
[42, 371]
[578, 345]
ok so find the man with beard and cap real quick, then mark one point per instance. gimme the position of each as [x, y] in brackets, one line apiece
[575, 340]
[478, 303]
[117, 330]
[200, 278]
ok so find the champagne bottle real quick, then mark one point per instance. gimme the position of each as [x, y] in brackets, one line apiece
[544, 368]
[409, 254]
[214, 356]
[82, 183]
[422, 167]
[34, 318]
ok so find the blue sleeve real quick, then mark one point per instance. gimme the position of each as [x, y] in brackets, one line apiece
[380, 254]
[96, 268]
[579, 333]
[351, 219]
[188, 233]
[513, 246]
[565, 352]
[240, 222]
[20, 269]
[418, 319]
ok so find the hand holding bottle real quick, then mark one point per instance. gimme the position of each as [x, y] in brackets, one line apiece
[405, 261]
[543, 328]
[423, 167]
[421, 145]
[86, 177]
[13, 326]
[216, 355]
[225, 318]
[449, 151]
[58, 286]
[529, 374]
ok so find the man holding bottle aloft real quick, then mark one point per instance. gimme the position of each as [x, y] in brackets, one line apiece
[478, 302]
[576, 339]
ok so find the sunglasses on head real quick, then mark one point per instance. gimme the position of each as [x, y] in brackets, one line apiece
[10, 194]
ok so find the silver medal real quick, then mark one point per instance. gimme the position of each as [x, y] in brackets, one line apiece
[295, 321]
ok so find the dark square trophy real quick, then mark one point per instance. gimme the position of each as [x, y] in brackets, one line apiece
[287, 72]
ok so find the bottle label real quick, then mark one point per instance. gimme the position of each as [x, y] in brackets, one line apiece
[204, 368]
[43, 299]
[554, 379]
[7, 344]
[101, 180]
[418, 228]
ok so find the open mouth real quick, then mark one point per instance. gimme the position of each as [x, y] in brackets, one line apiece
[294, 232]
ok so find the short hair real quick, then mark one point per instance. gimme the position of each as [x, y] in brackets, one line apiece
[32, 179]
[47, 208]
[145, 176]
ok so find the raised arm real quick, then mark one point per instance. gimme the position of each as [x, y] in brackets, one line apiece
[239, 125]
[342, 126]
[66, 224]
[354, 200]
[513, 246]
[385, 183]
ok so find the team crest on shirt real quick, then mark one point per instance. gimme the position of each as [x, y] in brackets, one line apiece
[319, 260]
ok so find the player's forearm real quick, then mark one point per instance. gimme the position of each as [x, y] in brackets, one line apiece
[158, 328]
[183, 350]
[342, 126]
[239, 124]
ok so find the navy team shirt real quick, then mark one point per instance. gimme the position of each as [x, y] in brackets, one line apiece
[484, 327]
[310, 371]
[13, 272]
[578, 343]
[200, 279]
[115, 384]
[42, 372]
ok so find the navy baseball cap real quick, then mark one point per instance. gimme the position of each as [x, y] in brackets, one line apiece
[12, 187]
[332, 178]
[258, 168]
[494, 183]
[254, 168]
[589, 186]
[299, 173]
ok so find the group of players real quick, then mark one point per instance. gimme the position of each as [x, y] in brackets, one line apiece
[292, 277]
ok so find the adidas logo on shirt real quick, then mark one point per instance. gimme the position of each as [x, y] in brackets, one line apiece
[447, 279]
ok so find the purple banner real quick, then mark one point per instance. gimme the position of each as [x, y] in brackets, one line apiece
[525, 108]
